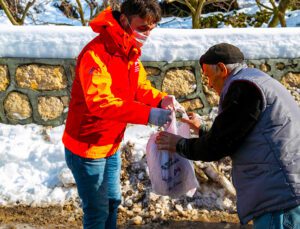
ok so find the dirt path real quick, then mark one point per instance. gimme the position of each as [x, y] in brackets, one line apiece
[57, 217]
[166, 225]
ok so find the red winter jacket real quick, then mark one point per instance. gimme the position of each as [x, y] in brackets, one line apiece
[110, 89]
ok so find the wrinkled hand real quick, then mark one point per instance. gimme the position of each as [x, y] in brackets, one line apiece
[159, 116]
[169, 102]
[193, 121]
[167, 141]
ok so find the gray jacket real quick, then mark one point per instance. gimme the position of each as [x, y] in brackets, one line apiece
[266, 168]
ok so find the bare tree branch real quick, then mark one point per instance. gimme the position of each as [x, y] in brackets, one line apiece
[226, 7]
[29, 4]
[105, 3]
[273, 4]
[213, 1]
[115, 4]
[262, 5]
[13, 16]
[192, 9]
[8, 13]
[180, 1]
[92, 7]
[80, 11]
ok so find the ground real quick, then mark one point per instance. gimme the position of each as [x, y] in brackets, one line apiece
[68, 216]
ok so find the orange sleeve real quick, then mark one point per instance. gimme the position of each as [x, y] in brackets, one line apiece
[96, 83]
[146, 93]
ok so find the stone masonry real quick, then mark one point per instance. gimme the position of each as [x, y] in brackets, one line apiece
[38, 90]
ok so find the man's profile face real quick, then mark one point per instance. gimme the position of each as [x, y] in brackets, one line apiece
[141, 25]
[215, 80]
[136, 24]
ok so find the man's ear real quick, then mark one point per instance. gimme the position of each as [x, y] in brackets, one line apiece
[124, 22]
[223, 69]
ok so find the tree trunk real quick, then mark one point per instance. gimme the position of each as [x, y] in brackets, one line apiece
[196, 7]
[197, 15]
[195, 22]
[283, 5]
[275, 19]
[279, 14]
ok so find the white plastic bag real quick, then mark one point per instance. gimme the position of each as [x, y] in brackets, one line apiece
[171, 174]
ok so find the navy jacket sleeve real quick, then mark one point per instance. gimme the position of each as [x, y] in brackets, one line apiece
[241, 109]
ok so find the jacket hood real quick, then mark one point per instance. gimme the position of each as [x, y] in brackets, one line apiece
[106, 24]
[104, 19]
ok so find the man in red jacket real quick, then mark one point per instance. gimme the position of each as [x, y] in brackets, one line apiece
[110, 90]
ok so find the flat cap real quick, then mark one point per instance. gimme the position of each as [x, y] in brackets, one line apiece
[223, 52]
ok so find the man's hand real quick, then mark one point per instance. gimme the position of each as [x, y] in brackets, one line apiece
[159, 116]
[169, 102]
[167, 141]
[193, 121]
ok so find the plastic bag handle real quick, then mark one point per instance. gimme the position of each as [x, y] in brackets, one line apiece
[172, 124]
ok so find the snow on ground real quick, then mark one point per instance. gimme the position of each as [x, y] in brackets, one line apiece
[32, 166]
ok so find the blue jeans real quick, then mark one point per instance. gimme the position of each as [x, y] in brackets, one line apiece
[285, 219]
[98, 184]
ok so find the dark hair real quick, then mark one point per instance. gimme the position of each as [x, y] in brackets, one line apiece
[146, 9]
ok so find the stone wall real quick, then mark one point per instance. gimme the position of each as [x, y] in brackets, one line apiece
[37, 90]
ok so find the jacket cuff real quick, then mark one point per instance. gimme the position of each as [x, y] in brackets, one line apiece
[181, 147]
[203, 129]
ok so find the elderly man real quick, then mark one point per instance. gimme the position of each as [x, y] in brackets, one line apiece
[258, 126]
